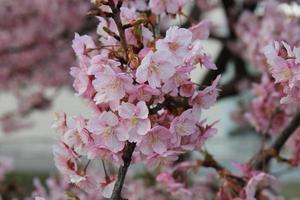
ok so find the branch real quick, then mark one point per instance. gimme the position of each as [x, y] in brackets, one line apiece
[129, 147]
[127, 154]
[195, 15]
[116, 16]
[210, 162]
[263, 158]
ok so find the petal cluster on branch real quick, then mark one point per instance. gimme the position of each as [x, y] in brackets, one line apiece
[139, 86]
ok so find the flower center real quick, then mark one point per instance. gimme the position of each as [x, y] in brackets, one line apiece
[116, 83]
[153, 138]
[173, 45]
[134, 121]
[153, 68]
[107, 131]
[181, 129]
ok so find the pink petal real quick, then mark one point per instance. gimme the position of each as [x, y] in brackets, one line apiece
[159, 147]
[126, 110]
[142, 110]
[143, 127]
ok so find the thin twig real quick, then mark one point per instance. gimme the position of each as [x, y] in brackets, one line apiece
[274, 150]
[116, 17]
[105, 171]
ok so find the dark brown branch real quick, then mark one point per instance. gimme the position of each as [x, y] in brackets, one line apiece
[194, 15]
[129, 147]
[263, 158]
[111, 33]
[210, 162]
[127, 154]
[116, 16]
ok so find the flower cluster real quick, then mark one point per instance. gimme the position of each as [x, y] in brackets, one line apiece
[284, 64]
[257, 30]
[265, 112]
[139, 86]
[276, 54]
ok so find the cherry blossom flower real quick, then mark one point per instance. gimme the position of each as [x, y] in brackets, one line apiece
[257, 182]
[184, 125]
[136, 122]
[65, 159]
[172, 84]
[155, 68]
[201, 30]
[199, 56]
[82, 83]
[207, 97]
[82, 46]
[106, 126]
[157, 140]
[77, 136]
[176, 42]
[111, 86]
[143, 92]
[169, 6]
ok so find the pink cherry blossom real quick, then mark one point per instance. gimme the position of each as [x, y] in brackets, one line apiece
[155, 68]
[81, 46]
[172, 84]
[111, 86]
[136, 122]
[176, 42]
[257, 182]
[169, 6]
[77, 136]
[157, 140]
[98, 64]
[82, 83]
[99, 151]
[197, 139]
[199, 56]
[184, 125]
[128, 15]
[106, 126]
[207, 97]
[143, 92]
[200, 31]
[65, 159]
[280, 67]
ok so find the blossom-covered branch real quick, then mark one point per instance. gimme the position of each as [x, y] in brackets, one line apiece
[146, 108]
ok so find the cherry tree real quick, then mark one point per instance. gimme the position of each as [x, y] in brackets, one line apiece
[135, 76]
